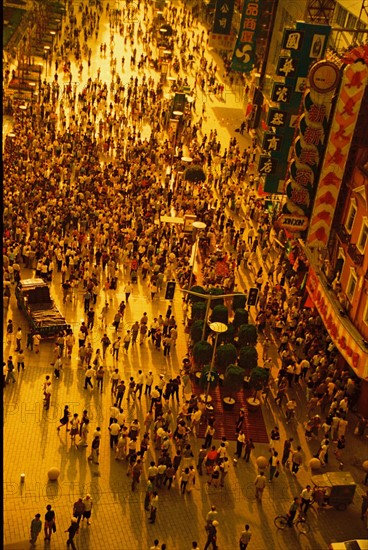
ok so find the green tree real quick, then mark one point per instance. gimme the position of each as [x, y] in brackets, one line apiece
[194, 174]
[225, 355]
[248, 358]
[196, 331]
[240, 318]
[200, 290]
[239, 302]
[198, 310]
[233, 379]
[247, 335]
[220, 314]
[258, 378]
[215, 291]
[202, 353]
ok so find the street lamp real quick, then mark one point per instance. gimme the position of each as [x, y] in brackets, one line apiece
[197, 225]
[217, 328]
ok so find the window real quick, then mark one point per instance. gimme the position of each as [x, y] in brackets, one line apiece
[352, 21]
[351, 216]
[362, 241]
[365, 316]
[352, 283]
[341, 14]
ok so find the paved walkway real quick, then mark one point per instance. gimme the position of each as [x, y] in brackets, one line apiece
[119, 522]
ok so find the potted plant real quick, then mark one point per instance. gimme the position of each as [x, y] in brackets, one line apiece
[239, 302]
[225, 355]
[200, 290]
[215, 291]
[233, 382]
[196, 331]
[198, 310]
[202, 353]
[240, 318]
[228, 336]
[194, 174]
[248, 358]
[220, 313]
[247, 335]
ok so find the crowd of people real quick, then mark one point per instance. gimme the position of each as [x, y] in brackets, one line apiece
[88, 174]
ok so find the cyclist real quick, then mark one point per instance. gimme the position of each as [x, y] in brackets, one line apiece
[292, 511]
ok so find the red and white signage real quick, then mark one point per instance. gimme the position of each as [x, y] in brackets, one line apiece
[352, 352]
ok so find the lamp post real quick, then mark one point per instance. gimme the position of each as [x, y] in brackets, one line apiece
[199, 226]
[217, 328]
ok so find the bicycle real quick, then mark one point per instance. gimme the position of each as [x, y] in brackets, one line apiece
[283, 521]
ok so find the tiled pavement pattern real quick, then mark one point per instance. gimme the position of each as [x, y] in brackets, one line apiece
[32, 445]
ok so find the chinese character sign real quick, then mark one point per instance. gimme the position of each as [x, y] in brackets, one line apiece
[223, 16]
[244, 52]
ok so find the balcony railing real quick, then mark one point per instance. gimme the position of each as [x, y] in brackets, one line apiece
[343, 235]
[355, 255]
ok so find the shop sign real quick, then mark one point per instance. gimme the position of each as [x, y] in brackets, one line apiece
[223, 17]
[271, 142]
[345, 343]
[223, 42]
[293, 222]
[277, 118]
[244, 52]
[267, 165]
[281, 93]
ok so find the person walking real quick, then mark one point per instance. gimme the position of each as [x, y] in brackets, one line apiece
[286, 450]
[306, 498]
[260, 484]
[49, 525]
[36, 527]
[274, 465]
[100, 378]
[88, 505]
[240, 442]
[297, 460]
[89, 374]
[114, 430]
[245, 538]
[95, 450]
[78, 509]
[47, 391]
[211, 535]
[248, 447]
[18, 339]
[10, 371]
[72, 530]
[20, 360]
[153, 507]
[64, 420]
[364, 507]
[74, 428]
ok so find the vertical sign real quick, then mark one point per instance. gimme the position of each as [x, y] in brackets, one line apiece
[223, 17]
[354, 82]
[304, 44]
[244, 52]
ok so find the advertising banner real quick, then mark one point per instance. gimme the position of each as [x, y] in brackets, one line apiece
[223, 17]
[244, 52]
[354, 81]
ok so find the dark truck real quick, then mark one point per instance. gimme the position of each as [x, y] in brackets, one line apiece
[33, 298]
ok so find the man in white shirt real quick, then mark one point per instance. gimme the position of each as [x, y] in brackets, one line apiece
[149, 382]
[114, 429]
[139, 384]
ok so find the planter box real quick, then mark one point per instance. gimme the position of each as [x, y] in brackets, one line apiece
[253, 404]
[228, 403]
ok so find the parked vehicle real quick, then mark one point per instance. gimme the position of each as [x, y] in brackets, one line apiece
[335, 489]
[33, 298]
